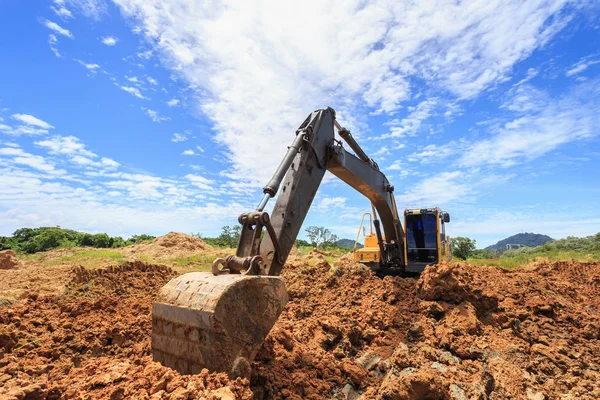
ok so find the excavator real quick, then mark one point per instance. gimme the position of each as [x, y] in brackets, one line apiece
[218, 320]
[426, 240]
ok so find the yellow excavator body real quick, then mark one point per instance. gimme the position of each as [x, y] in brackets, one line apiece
[370, 250]
[425, 243]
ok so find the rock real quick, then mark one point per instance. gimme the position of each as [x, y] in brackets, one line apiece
[369, 360]
[223, 393]
[350, 393]
[8, 260]
[533, 395]
[457, 393]
[113, 374]
[438, 366]
[448, 358]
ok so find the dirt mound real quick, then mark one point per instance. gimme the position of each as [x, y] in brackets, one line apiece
[488, 333]
[171, 245]
[457, 332]
[335, 314]
[94, 342]
[8, 260]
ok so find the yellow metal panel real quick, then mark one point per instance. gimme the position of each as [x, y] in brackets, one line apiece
[439, 243]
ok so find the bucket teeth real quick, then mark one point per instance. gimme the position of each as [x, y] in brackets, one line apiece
[216, 322]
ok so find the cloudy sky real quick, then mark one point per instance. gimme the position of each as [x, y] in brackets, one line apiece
[149, 116]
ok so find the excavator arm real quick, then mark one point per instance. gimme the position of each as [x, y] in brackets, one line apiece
[313, 152]
[219, 320]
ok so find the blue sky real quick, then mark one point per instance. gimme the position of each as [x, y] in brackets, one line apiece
[148, 116]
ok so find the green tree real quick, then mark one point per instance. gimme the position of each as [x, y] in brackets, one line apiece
[302, 243]
[139, 238]
[462, 247]
[230, 235]
[320, 236]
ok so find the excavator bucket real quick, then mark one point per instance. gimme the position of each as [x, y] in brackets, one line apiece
[219, 322]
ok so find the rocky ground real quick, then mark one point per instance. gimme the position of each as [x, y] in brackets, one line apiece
[456, 332]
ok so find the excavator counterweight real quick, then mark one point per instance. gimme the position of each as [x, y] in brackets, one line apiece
[219, 320]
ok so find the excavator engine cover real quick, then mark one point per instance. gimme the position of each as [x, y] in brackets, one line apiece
[219, 322]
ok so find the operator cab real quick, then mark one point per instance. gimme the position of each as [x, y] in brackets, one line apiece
[425, 236]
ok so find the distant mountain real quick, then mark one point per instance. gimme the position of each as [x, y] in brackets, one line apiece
[524, 239]
[348, 243]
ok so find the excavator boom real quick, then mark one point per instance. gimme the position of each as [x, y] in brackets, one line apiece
[219, 320]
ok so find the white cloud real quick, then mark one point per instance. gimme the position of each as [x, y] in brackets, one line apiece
[134, 92]
[145, 54]
[582, 65]
[89, 8]
[396, 166]
[154, 115]
[178, 137]
[52, 41]
[32, 121]
[189, 152]
[92, 67]
[525, 98]
[200, 149]
[200, 181]
[33, 126]
[109, 162]
[173, 102]
[541, 128]
[109, 40]
[56, 28]
[76, 152]
[59, 9]
[328, 203]
[383, 151]
[22, 130]
[65, 145]
[81, 160]
[411, 124]
[132, 79]
[437, 191]
[20, 157]
[152, 81]
[433, 153]
[373, 52]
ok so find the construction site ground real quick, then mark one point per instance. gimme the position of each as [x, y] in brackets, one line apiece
[76, 324]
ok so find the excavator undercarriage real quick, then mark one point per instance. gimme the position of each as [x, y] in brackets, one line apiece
[219, 320]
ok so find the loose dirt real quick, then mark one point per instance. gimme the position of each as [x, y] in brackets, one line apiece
[94, 342]
[457, 332]
[171, 245]
[8, 260]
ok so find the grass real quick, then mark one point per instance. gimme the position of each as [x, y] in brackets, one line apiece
[87, 257]
[522, 260]
[6, 300]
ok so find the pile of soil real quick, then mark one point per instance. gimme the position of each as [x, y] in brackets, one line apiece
[8, 260]
[456, 332]
[94, 342]
[171, 245]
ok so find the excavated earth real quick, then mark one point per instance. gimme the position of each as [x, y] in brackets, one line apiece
[456, 332]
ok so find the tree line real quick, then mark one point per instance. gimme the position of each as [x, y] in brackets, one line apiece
[318, 236]
[33, 240]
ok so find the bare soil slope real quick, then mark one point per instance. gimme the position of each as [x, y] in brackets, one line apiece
[457, 332]
[171, 245]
